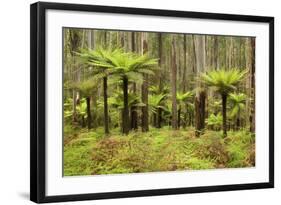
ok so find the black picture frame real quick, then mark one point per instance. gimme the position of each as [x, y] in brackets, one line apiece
[38, 103]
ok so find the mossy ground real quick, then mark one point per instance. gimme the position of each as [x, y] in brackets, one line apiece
[91, 153]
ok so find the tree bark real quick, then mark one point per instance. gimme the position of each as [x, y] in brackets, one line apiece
[224, 126]
[200, 100]
[75, 42]
[253, 65]
[174, 86]
[184, 65]
[106, 122]
[144, 90]
[126, 107]
[215, 53]
[179, 117]
[89, 117]
[160, 61]
[159, 121]
[134, 113]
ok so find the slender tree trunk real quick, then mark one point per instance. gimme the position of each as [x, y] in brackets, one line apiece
[185, 120]
[89, 117]
[216, 53]
[160, 61]
[105, 39]
[179, 117]
[200, 98]
[194, 54]
[106, 120]
[75, 42]
[74, 103]
[253, 65]
[159, 114]
[125, 122]
[184, 65]
[144, 91]
[230, 48]
[134, 113]
[224, 126]
[174, 86]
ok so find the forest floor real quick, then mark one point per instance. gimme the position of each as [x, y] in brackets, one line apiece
[91, 153]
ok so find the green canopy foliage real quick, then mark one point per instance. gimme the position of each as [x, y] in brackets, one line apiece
[224, 81]
[119, 62]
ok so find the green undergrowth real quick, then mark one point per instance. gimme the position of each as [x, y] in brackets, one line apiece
[92, 153]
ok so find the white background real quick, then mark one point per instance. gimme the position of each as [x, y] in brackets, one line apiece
[14, 102]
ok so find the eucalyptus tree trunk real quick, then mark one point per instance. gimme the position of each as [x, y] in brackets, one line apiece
[179, 117]
[184, 65]
[144, 90]
[160, 61]
[252, 78]
[94, 97]
[215, 53]
[200, 96]
[75, 41]
[89, 116]
[184, 86]
[134, 113]
[90, 42]
[174, 85]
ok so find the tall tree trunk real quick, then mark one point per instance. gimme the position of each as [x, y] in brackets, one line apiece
[105, 101]
[134, 113]
[230, 49]
[160, 61]
[224, 126]
[200, 96]
[89, 117]
[215, 53]
[194, 54]
[105, 39]
[74, 104]
[179, 117]
[95, 93]
[184, 65]
[88, 98]
[144, 90]
[174, 86]
[159, 114]
[125, 122]
[200, 113]
[253, 68]
[75, 42]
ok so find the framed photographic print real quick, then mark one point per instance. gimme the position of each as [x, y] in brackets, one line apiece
[129, 102]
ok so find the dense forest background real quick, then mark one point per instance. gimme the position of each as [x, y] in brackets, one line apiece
[144, 101]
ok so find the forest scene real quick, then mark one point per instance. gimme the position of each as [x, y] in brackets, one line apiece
[138, 102]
